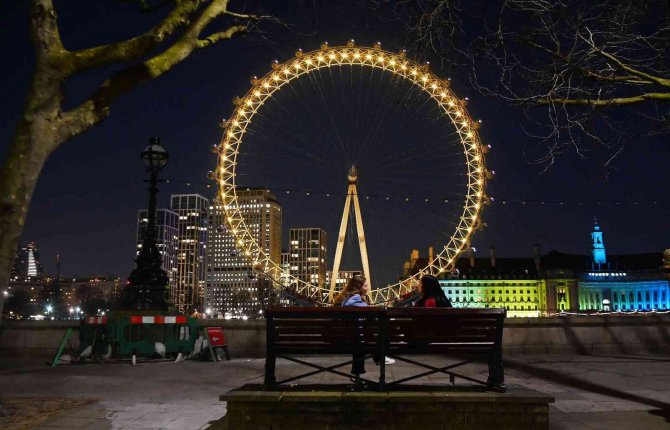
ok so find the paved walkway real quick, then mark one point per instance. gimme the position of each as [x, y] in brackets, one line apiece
[592, 392]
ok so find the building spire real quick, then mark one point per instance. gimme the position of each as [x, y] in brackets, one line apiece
[599, 258]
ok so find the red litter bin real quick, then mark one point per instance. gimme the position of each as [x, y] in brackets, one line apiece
[217, 342]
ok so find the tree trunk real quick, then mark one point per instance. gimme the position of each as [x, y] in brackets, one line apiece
[36, 136]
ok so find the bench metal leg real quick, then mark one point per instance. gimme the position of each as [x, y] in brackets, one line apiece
[270, 378]
[270, 354]
[496, 370]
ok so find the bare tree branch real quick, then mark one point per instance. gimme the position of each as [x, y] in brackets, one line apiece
[609, 102]
[588, 76]
[133, 48]
[97, 106]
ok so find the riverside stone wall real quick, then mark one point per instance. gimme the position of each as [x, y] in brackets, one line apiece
[552, 335]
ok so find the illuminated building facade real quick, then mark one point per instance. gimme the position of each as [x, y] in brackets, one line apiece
[558, 282]
[599, 258]
[624, 283]
[233, 288]
[308, 255]
[27, 263]
[167, 237]
[512, 283]
[187, 289]
[284, 277]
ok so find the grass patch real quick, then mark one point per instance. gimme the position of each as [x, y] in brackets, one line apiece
[27, 412]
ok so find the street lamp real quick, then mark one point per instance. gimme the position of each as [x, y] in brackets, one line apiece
[148, 282]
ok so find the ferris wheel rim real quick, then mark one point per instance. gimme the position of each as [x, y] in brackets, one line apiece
[350, 55]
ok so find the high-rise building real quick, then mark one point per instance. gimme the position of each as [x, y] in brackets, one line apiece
[284, 277]
[308, 255]
[233, 288]
[187, 290]
[167, 237]
[27, 263]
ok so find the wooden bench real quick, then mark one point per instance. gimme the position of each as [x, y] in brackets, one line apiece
[300, 331]
[400, 333]
[473, 333]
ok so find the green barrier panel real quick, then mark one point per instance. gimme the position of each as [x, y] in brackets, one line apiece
[95, 334]
[140, 338]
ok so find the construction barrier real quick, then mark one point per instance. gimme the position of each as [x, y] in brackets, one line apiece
[96, 334]
[138, 335]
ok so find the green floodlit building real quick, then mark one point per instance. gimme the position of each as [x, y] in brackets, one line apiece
[556, 282]
[512, 283]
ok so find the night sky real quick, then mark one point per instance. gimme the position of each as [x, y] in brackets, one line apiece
[84, 207]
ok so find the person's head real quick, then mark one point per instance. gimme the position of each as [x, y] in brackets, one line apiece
[356, 285]
[430, 286]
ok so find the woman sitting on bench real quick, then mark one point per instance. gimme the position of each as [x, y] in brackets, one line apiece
[355, 293]
[432, 295]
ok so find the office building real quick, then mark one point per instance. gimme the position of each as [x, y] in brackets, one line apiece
[187, 290]
[308, 255]
[167, 238]
[27, 263]
[233, 287]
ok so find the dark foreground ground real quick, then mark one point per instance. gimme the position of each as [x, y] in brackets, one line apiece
[591, 391]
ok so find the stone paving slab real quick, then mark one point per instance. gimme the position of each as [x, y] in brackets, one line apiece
[591, 391]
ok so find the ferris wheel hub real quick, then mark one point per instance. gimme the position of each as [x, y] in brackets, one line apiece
[353, 174]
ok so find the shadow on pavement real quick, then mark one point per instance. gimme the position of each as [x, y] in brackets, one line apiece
[663, 409]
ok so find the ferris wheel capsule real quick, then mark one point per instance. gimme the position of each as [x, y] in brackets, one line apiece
[351, 43]
[324, 45]
[377, 46]
[298, 53]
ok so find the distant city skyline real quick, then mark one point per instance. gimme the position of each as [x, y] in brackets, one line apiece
[84, 207]
[479, 252]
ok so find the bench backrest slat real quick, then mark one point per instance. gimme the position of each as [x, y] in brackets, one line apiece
[336, 329]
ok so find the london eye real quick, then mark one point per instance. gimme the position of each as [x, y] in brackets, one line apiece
[421, 165]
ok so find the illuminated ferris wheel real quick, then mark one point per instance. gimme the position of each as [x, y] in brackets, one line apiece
[398, 70]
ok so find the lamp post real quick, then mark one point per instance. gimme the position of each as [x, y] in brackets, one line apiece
[147, 284]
